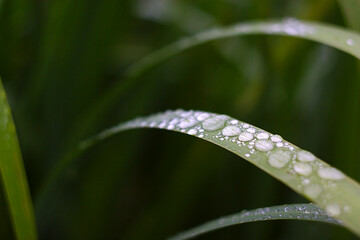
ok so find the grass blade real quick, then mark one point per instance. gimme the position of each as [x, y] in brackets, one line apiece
[13, 175]
[333, 36]
[308, 212]
[306, 174]
[351, 11]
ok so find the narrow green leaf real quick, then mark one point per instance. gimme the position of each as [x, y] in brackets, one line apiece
[13, 175]
[306, 174]
[333, 36]
[308, 212]
[351, 12]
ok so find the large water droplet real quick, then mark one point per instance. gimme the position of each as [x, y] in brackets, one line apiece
[214, 123]
[187, 122]
[305, 156]
[262, 135]
[313, 190]
[279, 158]
[302, 169]
[330, 173]
[276, 138]
[245, 136]
[264, 145]
[333, 209]
[231, 131]
[203, 116]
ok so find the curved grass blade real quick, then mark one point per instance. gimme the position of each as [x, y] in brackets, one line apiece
[307, 212]
[303, 172]
[333, 36]
[13, 175]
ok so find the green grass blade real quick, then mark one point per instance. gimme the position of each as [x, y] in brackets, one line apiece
[351, 11]
[308, 212]
[333, 36]
[306, 174]
[13, 175]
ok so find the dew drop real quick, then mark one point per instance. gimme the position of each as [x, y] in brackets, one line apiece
[349, 42]
[251, 130]
[234, 121]
[303, 169]
[264, 145]
[330, 173]
[262, 135]
[276, 138]
[203, 116]
[231, 131]
[247, 155]
[313, 191]
[214, 123]
[333, 209]
[279, 158]
[245, 125]
[305, 156]
[245, 136]
[192, 131]
[279, 144]
[187, 122]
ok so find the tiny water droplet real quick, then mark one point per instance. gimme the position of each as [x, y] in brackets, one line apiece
[350, 42]
[192, 131]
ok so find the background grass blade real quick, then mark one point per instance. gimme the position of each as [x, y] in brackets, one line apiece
[308, 212]
[351, 12]
[339, 38]
[332, 190]
[13, 175]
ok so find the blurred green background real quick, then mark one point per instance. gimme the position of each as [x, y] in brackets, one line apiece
[59, 57]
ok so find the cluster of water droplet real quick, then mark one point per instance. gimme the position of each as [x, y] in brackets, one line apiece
[314, 176]
[291, 26]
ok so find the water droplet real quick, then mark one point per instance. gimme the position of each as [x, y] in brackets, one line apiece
[245, 136]
[214, 123]
[305, 156]
[251, 130]
[187, 122]
[313, 191]
[333, 209]
[247, 155]
[349, 42]
[203, 116]
[262, 135]
[245, 125]
[330, 173]
[279, 158]
[279, 144]
[231, 131]
[162, 125]
[302, 169]
[264, 145]
[234, 121]
[192, 131]
[276, 138]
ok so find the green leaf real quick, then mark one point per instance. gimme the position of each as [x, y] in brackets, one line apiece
[306, 174]
[13, 175]
[308, 212]
[351, 11]
[333, 36]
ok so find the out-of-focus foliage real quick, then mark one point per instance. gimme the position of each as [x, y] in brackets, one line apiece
[57, 58]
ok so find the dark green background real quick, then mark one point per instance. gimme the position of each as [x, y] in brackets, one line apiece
[59, 57]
